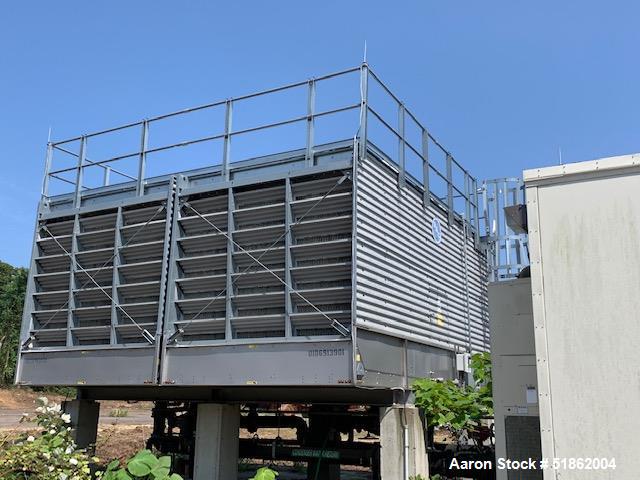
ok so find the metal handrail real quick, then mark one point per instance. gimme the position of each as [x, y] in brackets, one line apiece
[467, 191]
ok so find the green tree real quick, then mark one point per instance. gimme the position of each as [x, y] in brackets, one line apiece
[13, 283]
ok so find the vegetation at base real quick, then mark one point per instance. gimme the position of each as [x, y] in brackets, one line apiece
[449, 405]
[13, 283]
[49, 455]
[265, 473]
[119, 413]
[144, 465]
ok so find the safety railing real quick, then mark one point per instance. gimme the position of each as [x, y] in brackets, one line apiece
[419, 156]
[303, 115]
[507, 250]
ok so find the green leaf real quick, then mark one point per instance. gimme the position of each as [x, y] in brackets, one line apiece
[143, 453]
[123, 475]
[265, 473]
[138, 467]
[164, 461]
[113, 465]
[160, 473]
[146, 457]
[175, 476]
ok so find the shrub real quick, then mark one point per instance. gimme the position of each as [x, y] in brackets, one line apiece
[49, 455]
[119, 413]
[447, 404]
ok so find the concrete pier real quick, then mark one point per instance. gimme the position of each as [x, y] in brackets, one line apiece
[84, 421]
[216, 448]
[400, 451]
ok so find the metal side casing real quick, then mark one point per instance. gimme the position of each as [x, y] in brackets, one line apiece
[584, 229]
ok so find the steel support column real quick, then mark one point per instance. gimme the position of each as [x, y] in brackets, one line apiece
[229, 280]
[72, 272]
[288, 239]
[117, 243]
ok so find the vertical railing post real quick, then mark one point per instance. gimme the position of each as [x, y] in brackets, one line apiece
[450, 188]
[401, 146]
[485, 208]
[47, 169]
[364, 108]
[311, 105]
[425, 168]
[496, 223]
[81, 157]
[505, 227]
[476, 208]
[467, 198]
[142, 161]
[226, 147]
[106, 176]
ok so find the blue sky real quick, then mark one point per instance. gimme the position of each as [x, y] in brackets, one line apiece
[503, 84]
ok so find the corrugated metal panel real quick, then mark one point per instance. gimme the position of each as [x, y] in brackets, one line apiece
[407, 284]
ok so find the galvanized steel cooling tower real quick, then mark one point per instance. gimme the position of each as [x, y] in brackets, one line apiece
[350, 260]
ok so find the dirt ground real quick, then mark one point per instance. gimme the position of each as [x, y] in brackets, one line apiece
[121, 436]
[14, 402]
[124, 427]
